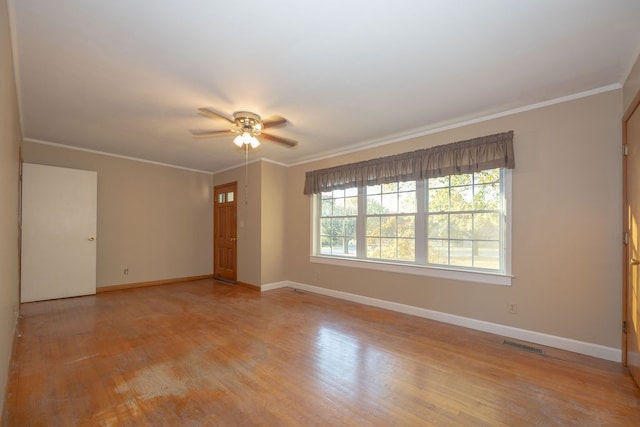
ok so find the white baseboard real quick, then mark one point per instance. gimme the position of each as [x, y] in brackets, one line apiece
[272, 286]
[594, 350]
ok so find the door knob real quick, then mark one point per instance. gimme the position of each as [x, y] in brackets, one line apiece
[91, 239]
[634, 261]
[233, 239]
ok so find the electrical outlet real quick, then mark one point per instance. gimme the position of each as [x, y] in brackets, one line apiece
[512, 308]
[126, 271]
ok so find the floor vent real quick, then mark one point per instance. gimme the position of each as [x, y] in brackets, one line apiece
[523, 347]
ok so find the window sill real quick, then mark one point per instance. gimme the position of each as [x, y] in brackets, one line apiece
[418, 270]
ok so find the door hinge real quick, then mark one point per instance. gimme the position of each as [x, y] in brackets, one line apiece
[626, 238]
[625, 148]
[624, 326]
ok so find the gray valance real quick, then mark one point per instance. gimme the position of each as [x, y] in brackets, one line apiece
[472, 155]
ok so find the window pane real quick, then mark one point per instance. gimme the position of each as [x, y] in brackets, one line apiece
[487, 197]
[325, 227]
[221, 198]
[373, 226]
[350, 227]
[461, 226]
[325, 245]
[486, 226]
[327, 207]
[407, 202]
[230, 196]
[483, 177]
[374, 189]
[390, 203]
[462, 198]
[439, 200]
[388, 248]
[351, 206]
[374, 206]
[438, 226]
[338, 193]
[338, 206]
[442, 181]
[438, 251]
[407, 186]
[406, 226]
[351, 192]
[406, 249]
[390, 188]
[461, 253]
[487, 255]
[373, 247]
[388, 227]
[461, 179]
[337, 227]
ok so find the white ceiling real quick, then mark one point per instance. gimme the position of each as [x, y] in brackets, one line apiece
[127, 76]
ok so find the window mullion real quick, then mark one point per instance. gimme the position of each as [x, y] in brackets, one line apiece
[361, 224]
[421, 223]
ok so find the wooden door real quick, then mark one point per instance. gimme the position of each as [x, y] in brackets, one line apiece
[59, 213]
[225, 243]
[631, 342]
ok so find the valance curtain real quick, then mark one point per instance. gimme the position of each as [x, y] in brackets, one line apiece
[472, 155]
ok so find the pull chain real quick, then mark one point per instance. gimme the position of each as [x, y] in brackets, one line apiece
[246, 174]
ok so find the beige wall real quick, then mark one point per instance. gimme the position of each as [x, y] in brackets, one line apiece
[10, 137]
[249, 219]
[154, 220]
[274, 219]
[566, 227]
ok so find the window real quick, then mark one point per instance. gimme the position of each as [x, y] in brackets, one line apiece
[464, 220]
[456, 222]
[391, 217]
[338, 217]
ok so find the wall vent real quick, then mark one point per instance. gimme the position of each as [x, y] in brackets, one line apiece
[523, 347]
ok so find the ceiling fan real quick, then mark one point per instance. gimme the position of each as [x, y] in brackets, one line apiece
[248, 126]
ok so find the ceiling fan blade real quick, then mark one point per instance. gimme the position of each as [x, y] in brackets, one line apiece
[208, 112]
[284, 141]
[205, 133]
[273, 121]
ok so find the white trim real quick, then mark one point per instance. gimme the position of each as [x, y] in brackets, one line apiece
[568, 344]
[272, 286]
[487, 278]
[103, 153]
[372, 143]
[240, 165]
[365, 145]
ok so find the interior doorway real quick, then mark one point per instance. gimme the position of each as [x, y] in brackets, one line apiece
[225, 242]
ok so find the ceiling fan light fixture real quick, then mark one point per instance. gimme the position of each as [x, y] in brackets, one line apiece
[245, 138]
[242, 139]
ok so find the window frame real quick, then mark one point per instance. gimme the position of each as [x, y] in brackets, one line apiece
[467, 274]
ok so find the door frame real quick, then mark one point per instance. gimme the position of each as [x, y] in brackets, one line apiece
[234, 186]
[635, 105]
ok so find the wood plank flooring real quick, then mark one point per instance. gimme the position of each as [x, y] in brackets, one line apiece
[206, 353]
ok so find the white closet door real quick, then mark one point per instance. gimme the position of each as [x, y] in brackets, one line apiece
[59, 216]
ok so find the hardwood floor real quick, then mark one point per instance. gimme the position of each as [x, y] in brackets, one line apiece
[207, 353]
